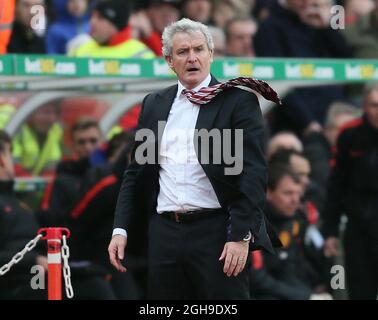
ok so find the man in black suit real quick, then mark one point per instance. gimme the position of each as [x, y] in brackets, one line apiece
[202, 220]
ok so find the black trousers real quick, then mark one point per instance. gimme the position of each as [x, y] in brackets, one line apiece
[361, 261]
[183, 260]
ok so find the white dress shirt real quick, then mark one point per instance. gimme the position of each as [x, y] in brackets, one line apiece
[183, 184]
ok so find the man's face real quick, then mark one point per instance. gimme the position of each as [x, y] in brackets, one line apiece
[303, 168]
[101, 29]
[240, 38]
[42, 120]
[223, 12]
[77, 7]
[86, 141]
[6, 164]
[198, 10]
[191, 58]
[219, 45]
[299, 6]
[371, 108]
[162, 15]
[23, 11]
[332, 131]
[286, 197]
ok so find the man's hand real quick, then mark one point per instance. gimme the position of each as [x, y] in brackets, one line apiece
[235, 255]
[42, 261]
[117, 251]
[331, 247]
[141, 25]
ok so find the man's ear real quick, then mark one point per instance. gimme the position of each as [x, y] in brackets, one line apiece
[2, 163]
[211, 55]
[169, 61]
[268, 194]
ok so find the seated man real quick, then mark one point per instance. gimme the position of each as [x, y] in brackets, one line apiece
[286, 275]
[17, 228]
[301, 29]
[111, 34]
[239, 37]
[91, 222]
[320, 146]
[148, 24]
[37, 147]
[61, 194]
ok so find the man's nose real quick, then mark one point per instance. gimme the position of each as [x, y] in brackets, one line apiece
[295, 200]
[192, 56]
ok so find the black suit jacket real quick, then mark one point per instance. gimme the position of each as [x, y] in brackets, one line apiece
[242, 196]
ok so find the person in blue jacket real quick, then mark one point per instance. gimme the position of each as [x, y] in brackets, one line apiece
[72, 19]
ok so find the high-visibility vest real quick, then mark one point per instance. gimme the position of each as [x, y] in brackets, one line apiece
[131, 48]
[6, 21]
[6, 112]
[35, 158]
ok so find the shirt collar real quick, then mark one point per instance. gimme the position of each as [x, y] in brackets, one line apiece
[204, 83]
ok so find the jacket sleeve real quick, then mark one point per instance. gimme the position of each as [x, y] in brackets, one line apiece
[265, 285]
[125, 207]
[246, 211]
[54, 42]
[269, 42]
[335, 42]
[337, 182]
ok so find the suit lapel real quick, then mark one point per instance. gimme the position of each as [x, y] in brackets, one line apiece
[164, 103]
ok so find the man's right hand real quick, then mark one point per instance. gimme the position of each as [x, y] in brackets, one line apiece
[331, 247]
[116, 251]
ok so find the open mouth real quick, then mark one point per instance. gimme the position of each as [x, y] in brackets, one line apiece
[192, 69]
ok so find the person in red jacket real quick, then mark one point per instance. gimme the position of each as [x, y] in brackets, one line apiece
[148, 24]
[6, 21]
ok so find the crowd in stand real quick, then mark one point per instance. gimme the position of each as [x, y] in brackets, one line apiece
[322, 145]
[249, 28]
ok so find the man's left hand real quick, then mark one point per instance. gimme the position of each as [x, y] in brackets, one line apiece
[235, 255]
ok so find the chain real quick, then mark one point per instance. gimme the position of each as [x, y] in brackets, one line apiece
[66, 269]
[20, 255]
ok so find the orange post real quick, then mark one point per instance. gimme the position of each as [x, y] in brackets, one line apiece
[54, 260]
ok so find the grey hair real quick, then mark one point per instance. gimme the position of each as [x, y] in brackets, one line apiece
[187, 26]
[217, 32]
[369, 88]
[337, 108]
